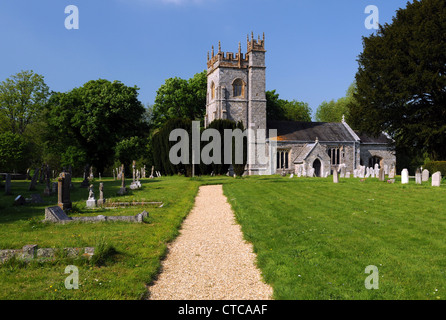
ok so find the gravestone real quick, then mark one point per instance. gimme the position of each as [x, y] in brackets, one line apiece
[381, 174]
[8, 184]
[335, 176]
[361, 171]
[376, 169]
[425, 175]
[47, 191]
[123, 189]
[55, 214]
[367, 172]
[32, 185]
[436, 179]
[91, 202]
[372, 173]
[63, 191]
[291, 175]
[342, 174]
[85, 183]
[418, 177]
[347, 175]
[36, 199]
[392, 173]
[101, 199]
[405, 176]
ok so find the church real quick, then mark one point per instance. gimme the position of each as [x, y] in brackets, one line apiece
[236, 85]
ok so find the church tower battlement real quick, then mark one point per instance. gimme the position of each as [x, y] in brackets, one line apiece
[236, 85]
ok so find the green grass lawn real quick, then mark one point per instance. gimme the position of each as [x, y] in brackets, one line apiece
[313, 238]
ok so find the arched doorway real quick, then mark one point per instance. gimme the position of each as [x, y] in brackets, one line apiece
[317, 167]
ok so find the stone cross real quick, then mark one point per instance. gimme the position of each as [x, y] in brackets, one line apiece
[436, 179]
[405, 176]
[91, 202]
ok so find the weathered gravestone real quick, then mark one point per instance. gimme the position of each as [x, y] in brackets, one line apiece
[392, 173]
[32, 185]
[101, 199]
[85, 183]
[91, 202]
[335, 176]
[418, 177]
[436, 179]
[63, 188]
[382, 175]
[123, 189]
[405, 176]
[55, 214]
[425, 175]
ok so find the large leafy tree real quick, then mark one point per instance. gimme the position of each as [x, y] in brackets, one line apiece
[334, 110]
[93, 119]
[401, 81]
[22, 98]
[180, 98]
[280, 109]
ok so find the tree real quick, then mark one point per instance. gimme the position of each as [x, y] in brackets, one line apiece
[94, 119]
[280, 109]
[180, 98]
[22, 98]
[333, 111]
[401, 80]
[13, 149]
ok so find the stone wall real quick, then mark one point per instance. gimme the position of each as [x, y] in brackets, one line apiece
[33, 252]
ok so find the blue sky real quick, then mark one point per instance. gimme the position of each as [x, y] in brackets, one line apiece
[312, 46]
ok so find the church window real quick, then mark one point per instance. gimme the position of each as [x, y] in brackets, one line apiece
[238, 88]
[335, 155]
[283, 159]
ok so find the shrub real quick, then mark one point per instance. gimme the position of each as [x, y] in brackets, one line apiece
[434, 166]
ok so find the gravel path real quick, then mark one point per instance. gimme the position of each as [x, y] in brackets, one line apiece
[210, 259]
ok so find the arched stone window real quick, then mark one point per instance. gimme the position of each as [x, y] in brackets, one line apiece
[212, 91]
[238, 88]
[282, 159]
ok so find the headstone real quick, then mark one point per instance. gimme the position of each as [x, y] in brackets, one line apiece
[32, 185]
[28, 177]
[367, 173]
[85, 183]
[372, 172]
[101, 199]
[123, 189]
[436, 179]
[151, 175]
[36, 199]
[418, 177]
[8, 184]
[342, 173]
[361, 171]
[425, 175]
[381, 174]
[347, 175]
[291, 175]
[405, 176]
[63, 188]
[392, 173]
[114, 175]
[55, 214]
[47, 191]
[376, 169]
[144, 172]
[91, 202]
[335, 176]
[134, 170]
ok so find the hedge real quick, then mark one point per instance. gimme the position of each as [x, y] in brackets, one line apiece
[434, 166]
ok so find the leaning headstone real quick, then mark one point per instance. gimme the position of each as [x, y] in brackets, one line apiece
[91, 202]
[436, 179]
[32, 185]
[418, 177]
[8, 184]
[405, 176]
[335, 176]
[55, 214]
[425, 175]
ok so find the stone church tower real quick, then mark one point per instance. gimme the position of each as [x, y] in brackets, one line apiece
[236, 85]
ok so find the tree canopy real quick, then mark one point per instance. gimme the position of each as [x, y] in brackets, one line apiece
[401, 80]
[280, 109]
[333, 111]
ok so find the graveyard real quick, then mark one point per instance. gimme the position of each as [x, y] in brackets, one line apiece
[306, 248]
